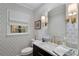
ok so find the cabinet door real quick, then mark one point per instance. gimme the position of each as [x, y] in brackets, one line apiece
[44, 53]
[35, 51]
[39, 52]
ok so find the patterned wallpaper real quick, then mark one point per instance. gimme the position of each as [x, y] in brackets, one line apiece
[71, 29]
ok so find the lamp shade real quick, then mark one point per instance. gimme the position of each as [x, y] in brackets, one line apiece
[43, 19]
[72, 8]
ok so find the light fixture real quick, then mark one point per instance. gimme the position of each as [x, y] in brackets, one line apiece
[72, 9]
[72, 13]
[44, 20]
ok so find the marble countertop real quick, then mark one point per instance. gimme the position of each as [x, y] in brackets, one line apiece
[49, 47]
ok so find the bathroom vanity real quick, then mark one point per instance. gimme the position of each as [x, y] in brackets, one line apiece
[51, 49]
[41, 49]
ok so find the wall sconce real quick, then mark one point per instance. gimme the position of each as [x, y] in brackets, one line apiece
[72, 13]
[44, 20]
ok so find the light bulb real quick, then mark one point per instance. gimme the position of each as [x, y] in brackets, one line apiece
[43, 19]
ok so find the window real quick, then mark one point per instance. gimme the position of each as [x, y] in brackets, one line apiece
[17, 22]
[18, 28]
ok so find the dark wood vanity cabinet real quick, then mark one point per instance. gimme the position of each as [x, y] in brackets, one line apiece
[39, 52]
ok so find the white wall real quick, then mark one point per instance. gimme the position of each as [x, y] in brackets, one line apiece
[12, 44]
[78, 29]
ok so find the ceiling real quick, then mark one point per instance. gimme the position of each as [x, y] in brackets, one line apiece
[31, 6]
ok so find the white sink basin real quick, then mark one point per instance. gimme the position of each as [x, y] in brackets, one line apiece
[47, 45]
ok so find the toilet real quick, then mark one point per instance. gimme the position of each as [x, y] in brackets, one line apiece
[28, 50]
